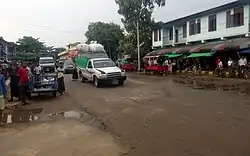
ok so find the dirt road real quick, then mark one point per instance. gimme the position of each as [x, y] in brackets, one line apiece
[152, 116]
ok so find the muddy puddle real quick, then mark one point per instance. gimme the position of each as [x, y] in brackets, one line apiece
[34, 114]
[67, 134]
[214, 84]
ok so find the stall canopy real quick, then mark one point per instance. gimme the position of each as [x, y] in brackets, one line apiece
[173, 55]
[247, 51]
[195, 55]
[245, 45]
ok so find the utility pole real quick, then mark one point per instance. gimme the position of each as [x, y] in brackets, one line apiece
[138, 47]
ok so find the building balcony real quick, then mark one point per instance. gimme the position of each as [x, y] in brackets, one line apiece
[174, 40]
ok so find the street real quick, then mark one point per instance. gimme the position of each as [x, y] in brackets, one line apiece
[148, 116]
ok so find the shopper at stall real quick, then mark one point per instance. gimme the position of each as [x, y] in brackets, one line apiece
[14, 82]
[23, 74]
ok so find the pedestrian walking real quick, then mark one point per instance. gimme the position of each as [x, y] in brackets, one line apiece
[60, 80]
[23, 74]
[3, 93]
[75, 74]
[14, 82]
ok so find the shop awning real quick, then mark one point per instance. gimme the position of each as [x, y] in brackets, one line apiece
[195, 55]
[245, 45]
[165, 51]
[63, 53]
[247, 51]
[173, 55]
[229, 44]
[152, 53]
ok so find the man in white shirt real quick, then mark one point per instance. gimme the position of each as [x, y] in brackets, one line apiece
[229, 63]
[38, 70]
[241, 64]
[220, 65]
[245, 61]
[155, 61]
[166, 62]
[149, 62]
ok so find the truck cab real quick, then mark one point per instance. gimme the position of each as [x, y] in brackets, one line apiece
[102, 70]
[47, 64]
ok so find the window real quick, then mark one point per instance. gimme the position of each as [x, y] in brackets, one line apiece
[229, 19]
[159, 35]
[198, 26]
[212, 23]
[104, 63]
[236, 19]
[192, 27]
[155, 36]
[184, 27]
[89, 65]
[171, 35]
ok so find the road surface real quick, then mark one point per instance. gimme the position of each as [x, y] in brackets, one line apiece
[148, 116]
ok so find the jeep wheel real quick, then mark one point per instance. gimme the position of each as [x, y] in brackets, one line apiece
[121, 83]
[96, 82]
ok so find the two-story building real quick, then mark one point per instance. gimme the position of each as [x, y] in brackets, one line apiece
[7, 49]
[216, 25]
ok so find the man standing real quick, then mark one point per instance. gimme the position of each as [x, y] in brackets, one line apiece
[23, 74]
[14, 82]
[3, 92]
[38, 70]
[241, 65]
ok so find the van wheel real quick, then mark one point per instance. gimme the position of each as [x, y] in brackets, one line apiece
[96, 83]
[83, 80]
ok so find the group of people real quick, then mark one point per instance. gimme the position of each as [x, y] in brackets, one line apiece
[233, 66]
[19, 79]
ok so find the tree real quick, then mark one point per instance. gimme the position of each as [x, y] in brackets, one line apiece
[107, 34]
[28, 44]
[139, 11]
[126, 46]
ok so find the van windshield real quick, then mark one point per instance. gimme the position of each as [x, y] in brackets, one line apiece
[46, 61]
[103, 63]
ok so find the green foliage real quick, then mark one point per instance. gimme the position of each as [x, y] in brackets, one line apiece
[126, 46]
[140, 11]
[28, 44]
[30, 48]
[107, 34]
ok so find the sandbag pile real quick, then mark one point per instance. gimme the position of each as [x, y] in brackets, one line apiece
[92, 47]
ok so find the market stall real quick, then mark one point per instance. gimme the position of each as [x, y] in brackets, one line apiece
[128, 64]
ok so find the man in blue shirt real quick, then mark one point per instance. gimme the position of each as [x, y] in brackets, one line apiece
[3, 93]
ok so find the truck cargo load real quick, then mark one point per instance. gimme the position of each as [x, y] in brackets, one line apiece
[89, 51]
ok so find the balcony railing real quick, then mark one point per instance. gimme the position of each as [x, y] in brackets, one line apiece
[175, 40]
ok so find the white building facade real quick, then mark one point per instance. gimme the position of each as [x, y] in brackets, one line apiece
[231, 20]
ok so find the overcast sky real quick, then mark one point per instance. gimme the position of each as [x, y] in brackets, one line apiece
[59, 22]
